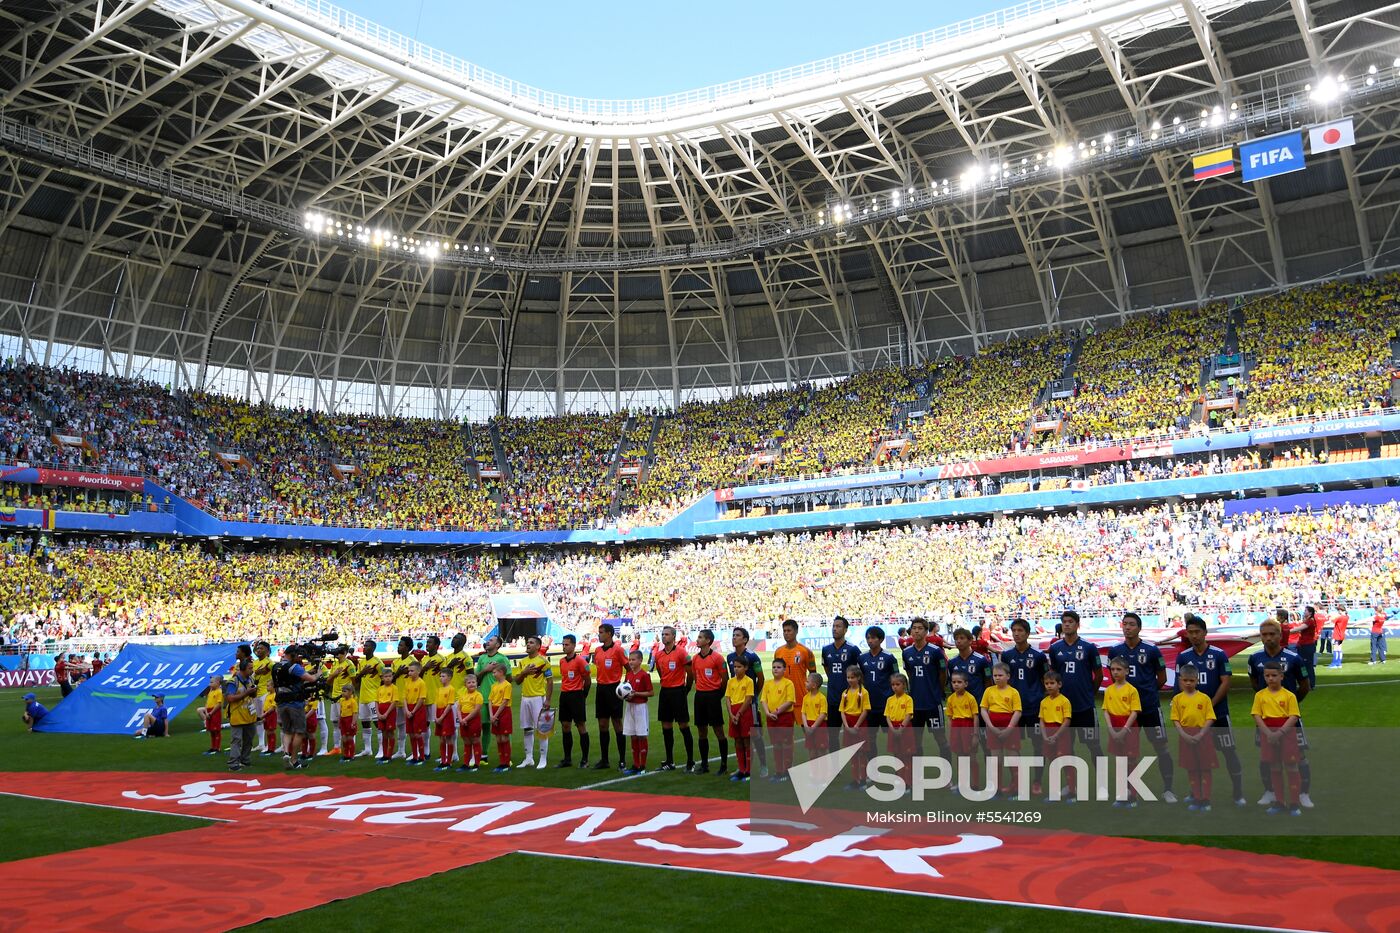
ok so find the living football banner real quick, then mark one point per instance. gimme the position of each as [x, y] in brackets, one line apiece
[114, 701]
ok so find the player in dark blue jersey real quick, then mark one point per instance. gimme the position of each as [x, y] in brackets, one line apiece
[926, 666]
[1147, 671]
[1295, 671]
[1213, 668]
[977, 667]
[1081, 673]
[1028, 666]
[1297, 678]
[876, 666]
[836, 657]
[755, 673]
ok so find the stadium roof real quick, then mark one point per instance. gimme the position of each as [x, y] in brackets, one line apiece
[177, 170]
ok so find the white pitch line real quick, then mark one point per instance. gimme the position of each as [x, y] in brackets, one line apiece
[950, 897]
[632, 777]
[112, 806]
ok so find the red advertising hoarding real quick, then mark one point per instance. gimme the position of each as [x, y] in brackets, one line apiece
[1064, 458]
[90, 480]
[44, 678]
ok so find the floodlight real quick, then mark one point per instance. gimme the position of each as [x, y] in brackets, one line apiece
[1327, 90]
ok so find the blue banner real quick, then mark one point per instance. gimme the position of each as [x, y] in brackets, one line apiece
[115, 701]
[1251, 482]
[1314, 500]
[1273, 155]
[1358, 425]
[1195, 444]
[1333, 427]
[195, 522]
[26, 662]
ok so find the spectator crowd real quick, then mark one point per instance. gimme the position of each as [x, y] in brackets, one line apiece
[1164, 560]
[1308, 351]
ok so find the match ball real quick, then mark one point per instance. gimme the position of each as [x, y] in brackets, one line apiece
[624, 690]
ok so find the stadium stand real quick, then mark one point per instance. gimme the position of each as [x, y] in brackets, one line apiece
[101, 589]
[1139, 379]
[703, 446]
[1322, 349]
[1158, 560]
[559, 469]
[262, 463]
[982, 403]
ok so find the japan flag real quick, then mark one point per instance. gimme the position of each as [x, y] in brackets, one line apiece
[1331, 136]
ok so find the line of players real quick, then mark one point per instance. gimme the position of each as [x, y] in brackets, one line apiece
[1050, 696]
[455, 696]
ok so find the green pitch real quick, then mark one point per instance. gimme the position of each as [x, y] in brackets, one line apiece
[1356, 695]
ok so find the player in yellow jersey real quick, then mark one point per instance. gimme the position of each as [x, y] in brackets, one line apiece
[535, 675]
[262, 678]
[339, 671]
[458, 662]
[431, 663]
[366, 679]
[1194, 714]
[399, 665]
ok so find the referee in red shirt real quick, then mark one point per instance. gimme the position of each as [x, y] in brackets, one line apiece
[709, 673]
[573, 691]
[610, 663]
[672, 663]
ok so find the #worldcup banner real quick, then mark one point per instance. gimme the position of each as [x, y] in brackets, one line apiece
[115, 700]
[76, 478]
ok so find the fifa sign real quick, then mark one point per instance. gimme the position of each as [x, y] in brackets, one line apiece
[1273, 155]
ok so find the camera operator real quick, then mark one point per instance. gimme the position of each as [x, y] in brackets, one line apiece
[290, 684]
